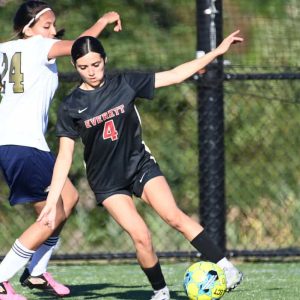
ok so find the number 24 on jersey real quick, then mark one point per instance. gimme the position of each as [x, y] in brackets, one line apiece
[15, 75]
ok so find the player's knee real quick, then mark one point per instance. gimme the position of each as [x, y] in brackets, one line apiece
[70, 205]
[61, 217]
[174, 219]
[74, 198]
[143, 240]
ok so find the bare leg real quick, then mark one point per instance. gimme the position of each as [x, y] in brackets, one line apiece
[158, 194]
[37, 267]
[123, 210]
[37, 233]
[69, 197]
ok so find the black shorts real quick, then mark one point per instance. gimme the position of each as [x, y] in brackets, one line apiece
[149, 171]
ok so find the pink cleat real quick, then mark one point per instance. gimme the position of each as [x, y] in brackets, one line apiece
[44, 282]
[7, 292]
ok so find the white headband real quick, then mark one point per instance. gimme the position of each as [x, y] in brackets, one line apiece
[35, 18]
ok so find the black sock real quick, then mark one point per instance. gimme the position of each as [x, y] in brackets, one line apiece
[204, 244]
[155, 276]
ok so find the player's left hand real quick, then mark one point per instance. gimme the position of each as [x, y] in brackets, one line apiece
[48, 215]
[113, 17]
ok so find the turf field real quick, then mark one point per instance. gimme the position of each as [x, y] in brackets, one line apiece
[263, 281]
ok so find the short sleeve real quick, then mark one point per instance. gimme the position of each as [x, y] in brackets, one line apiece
[142, 83]
[44, 46]
[1, 63]
[65, 126]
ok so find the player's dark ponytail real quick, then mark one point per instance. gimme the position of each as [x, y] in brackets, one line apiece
[84, 45]
[25, 13]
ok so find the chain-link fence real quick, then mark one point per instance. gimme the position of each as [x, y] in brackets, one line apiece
[262, 113]
[262, 121]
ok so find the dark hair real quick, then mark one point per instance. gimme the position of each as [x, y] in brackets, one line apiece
[26, 12]
[84, 45]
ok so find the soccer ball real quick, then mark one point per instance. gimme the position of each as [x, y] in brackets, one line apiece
[204, 281]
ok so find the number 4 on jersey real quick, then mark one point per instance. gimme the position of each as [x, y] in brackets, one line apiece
[110, 131]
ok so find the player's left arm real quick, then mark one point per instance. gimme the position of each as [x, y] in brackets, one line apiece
[63, 47]
[188, 69]
[108, 18]
[60, 174]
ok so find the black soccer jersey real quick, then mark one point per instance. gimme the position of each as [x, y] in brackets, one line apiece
[108, 123]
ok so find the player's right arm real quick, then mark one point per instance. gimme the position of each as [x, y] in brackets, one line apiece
[60, 173]
[63, 47]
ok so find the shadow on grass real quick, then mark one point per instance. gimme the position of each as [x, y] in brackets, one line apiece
[84, 291]
[139, 292]
[110, 291]
[137, 295]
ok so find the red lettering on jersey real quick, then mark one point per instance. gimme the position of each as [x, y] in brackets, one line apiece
[98, 119]
[104, 116]
[111, 113]
[116, 111]
[87, 124]
[93, 121]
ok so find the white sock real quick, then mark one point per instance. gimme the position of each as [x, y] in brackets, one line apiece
[40, 259]
[225, 263]
[17, 257]
[165, 289]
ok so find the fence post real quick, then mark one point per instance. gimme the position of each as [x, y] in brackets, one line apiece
[211, 124]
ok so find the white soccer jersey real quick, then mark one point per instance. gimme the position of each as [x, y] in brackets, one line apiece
[1, 66]
[28, 83]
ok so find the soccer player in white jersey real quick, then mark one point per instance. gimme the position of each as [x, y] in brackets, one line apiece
[102, 112]
[28, 83]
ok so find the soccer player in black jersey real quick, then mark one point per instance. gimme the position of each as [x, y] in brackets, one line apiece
[101, 111]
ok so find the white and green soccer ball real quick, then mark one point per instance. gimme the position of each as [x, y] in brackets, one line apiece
[204, 281]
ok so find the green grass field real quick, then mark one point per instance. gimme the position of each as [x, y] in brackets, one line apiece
[263, 281]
